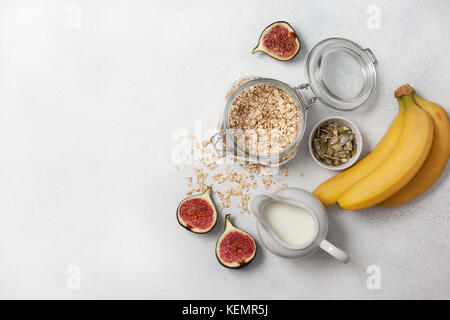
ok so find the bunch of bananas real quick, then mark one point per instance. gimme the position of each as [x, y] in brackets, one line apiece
[407, 161]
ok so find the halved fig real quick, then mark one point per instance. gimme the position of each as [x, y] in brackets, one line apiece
[235, 248]
[279, 41]
[198, 213]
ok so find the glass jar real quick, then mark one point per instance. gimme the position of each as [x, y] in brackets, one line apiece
[340, 74]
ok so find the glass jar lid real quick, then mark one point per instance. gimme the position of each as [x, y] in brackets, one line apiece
[341, 74]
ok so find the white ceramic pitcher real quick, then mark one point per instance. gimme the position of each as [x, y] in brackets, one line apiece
[303, 199]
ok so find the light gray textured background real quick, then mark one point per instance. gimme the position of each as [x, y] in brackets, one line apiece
[90, 93]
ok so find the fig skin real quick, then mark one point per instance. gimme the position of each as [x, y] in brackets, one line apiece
[206, 195]
[261, 48]
[229, 225]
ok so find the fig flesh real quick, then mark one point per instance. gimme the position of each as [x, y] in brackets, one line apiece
[197, 213]
[235, 248]
[279, 41]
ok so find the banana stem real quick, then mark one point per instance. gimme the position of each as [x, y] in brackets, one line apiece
[407, 100]
[405, 90]
[401, 107]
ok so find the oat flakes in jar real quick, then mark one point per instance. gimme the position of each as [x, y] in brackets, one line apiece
[264, 119]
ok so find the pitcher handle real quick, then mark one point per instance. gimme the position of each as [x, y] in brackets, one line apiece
[334, 251]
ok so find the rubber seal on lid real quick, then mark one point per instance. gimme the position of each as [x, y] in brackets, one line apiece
[341, 74]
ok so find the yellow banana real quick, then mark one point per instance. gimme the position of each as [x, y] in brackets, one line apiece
[437, 158]
[332, 189]
[401, 165]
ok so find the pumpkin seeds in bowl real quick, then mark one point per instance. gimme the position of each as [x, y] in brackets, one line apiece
[335, 143]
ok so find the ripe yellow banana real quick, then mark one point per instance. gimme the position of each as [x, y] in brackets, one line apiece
[401, 165]
[332, 189]
[437, 159]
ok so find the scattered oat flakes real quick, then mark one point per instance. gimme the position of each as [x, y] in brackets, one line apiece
[284, 171]
[238, 182]
[189, 181]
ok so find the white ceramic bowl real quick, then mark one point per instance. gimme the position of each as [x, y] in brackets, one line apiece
[359, 143]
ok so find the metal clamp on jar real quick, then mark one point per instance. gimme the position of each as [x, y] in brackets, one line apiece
[340, 74]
